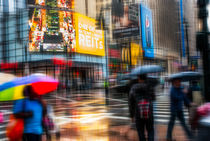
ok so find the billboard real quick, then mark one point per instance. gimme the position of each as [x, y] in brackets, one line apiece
[136, 54]
[50, 25]
[126, 25]
[89, 40]
[146, 31]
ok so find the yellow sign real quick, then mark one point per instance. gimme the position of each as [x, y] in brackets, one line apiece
[136, 54]
[88, 39]
[126, 55]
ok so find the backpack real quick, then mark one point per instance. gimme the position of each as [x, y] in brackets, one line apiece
[143, 104]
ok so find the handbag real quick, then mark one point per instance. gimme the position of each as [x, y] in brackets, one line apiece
[15, 127]
[48, 123]
[47, 120]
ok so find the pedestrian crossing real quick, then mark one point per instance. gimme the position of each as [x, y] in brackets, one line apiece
[116, 110]
[3, 125]
[162, 112]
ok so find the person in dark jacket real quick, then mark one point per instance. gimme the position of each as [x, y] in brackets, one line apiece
[177, 98]
[142, 91]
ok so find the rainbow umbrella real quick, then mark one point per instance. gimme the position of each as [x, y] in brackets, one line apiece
[5, 77]
[41, 84]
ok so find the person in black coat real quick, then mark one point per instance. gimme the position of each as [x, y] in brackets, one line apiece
[142, 95]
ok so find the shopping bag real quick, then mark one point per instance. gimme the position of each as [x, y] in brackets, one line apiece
[15, 127]
[1, 117]
[48, 123]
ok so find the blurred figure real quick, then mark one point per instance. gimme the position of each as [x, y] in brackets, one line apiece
[202, 122]
[49, 124]
[177, 98]
[194, 93]
[31, 110]
[141, 108]
[106, 86]
[162, 82]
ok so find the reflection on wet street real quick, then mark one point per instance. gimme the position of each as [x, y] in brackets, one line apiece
[94, 116]
[91, 116]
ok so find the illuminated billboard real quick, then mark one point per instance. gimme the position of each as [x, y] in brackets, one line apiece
[126, 25]
[50, 24]
[147, 31]
[136, 54]
[88, 39]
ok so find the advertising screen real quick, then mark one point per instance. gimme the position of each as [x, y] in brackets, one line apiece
[88, 39]
[136, 54]
[126, 25]
[50, 27]
[147, 31]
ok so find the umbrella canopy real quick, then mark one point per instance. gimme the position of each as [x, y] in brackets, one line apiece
[186, 76]
[5, 77]
[41, 84]
[128, 76]
[146, 69]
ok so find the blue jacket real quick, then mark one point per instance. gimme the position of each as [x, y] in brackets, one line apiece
[33, 124]
[178, 98]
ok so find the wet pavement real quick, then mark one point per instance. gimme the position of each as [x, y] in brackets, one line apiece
[96, 117]
[92, 116]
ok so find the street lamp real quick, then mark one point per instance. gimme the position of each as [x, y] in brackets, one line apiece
[187, 40]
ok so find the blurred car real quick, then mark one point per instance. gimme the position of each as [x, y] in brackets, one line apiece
[98, 85]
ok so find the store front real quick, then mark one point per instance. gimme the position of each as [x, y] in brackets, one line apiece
[71, 74]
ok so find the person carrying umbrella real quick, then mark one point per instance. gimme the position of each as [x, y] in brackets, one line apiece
[28, 106]
[141, 108]
[177, 98]
[141, 99]
[32, 110]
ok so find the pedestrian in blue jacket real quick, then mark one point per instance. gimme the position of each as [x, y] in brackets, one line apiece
[178, 99]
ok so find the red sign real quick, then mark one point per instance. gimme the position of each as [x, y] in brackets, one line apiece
[9, 65]
[61, 62]
[114, 53]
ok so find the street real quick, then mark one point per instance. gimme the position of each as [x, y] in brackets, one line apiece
[90, 116]
[84, 56]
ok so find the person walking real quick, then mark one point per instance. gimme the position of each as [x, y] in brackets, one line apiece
[141, 109]
[32, 111]
[177, 98]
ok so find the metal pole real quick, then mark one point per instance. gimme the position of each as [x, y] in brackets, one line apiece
[188, 51]
[106, 57]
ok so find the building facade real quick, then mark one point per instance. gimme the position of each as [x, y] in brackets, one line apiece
[190, 24]
[126, 30]
[46, 37]
[14, 33]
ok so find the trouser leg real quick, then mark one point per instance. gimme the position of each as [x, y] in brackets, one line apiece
[140, 130]
[182, 121]
[150, 129]
[171, 125]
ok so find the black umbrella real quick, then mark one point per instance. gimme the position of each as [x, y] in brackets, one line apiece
[186, 76]
[146, 69]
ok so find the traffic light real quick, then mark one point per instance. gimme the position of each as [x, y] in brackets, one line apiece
[100, 25]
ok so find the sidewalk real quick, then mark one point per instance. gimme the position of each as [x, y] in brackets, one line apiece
[117, 133]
